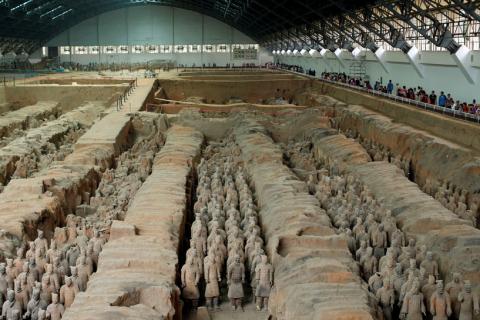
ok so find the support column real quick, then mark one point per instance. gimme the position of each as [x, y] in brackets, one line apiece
[323, 53]
[337, 54]
[463, 59]
[380, 55]
[413, 56]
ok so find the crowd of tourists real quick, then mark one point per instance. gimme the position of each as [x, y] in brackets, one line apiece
[418, 94]
[395, 89]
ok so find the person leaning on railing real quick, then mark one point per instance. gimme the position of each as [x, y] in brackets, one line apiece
[449, 103]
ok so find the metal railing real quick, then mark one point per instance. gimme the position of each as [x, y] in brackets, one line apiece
[8, 81]
[124, 96]
[458, 114]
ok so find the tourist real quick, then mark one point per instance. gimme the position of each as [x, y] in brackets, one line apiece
[457, 105]
[449, 103]
[411, 94]
[433, 98]
[424, 98]
[389, 87]
[442, 100]
[416, 94]
[397, 89]
[474, 107]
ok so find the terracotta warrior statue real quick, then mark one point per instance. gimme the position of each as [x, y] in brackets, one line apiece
[190, 275]
[264, 275]
[55, 310]
[54, 280]
[453, 288]
[212, 279]
[413, 307]
[10, 305]
[375, 282]
[21, 294]
[3, 283]
[68, 292]
[11, 273]
[469, 306]
[370, 264]
[386, 297]
[41, 244]
[440, 306]
[16, 315]
[33, 306]
[235, 281]
[428, 290]
[83, 272]
[430, 265]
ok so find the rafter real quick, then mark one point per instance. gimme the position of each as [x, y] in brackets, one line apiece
[309, 23]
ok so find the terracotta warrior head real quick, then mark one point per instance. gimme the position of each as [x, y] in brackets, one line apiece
[440, 286]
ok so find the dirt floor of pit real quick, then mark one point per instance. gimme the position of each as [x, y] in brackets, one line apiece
[226, 313]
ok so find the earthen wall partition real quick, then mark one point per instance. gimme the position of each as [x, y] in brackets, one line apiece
[175, 108]
[431, 157]
[239, 76]
[221, 90]
[461, 132]
[315, 275]
[230, 72]
[43, 201]
[138, 266]
[455, 243]
[80, 81]
[67, 96]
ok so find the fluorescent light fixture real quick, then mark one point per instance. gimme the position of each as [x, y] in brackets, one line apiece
[21, 5]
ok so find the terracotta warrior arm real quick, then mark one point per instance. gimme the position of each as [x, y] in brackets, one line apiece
[476, 307]
[406, 301]
[449, 304]
[206, 274]
[432, 305]
[422, 306]
[197, 277]
[183, 276]
[257, 273]
[229, 274]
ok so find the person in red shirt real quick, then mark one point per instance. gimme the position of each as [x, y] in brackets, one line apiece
[433, 98]
[424, 98]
